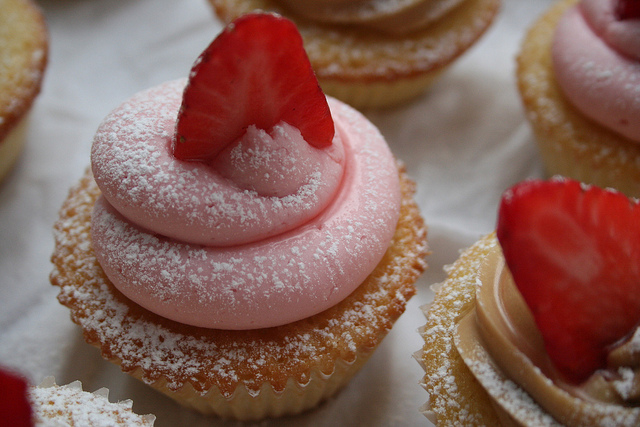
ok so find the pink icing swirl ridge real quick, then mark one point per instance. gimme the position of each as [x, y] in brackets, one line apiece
[200, 204]
[268, 281]
[596, 64]
[622, 35]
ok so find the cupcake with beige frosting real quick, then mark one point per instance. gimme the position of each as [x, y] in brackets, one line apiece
[24, 44]
[243, 248]
[536, 325]
[378, 53]
[579, 77]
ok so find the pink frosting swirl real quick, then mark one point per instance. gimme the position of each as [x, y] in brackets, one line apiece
[314, 236]
[623, 35]
[596, 60]
[196, 203]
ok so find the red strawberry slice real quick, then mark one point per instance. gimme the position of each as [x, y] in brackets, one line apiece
[628, 9]
[574, 253]
[15, 408]
[255, 72]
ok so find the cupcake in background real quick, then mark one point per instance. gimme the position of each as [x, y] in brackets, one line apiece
[378, 53]
[578, 74]
[49, 404]
[537, 324]
[24, 44]
[242, 243]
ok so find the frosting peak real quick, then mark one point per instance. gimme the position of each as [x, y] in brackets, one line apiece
[280, 163]
[194, 202]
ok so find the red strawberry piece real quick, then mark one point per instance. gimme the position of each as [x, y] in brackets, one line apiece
[628, 9]
[15, 407]
[256, 72]
[574, 253]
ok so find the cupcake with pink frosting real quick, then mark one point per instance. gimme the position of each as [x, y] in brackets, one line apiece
[242, 242]
[579, 78]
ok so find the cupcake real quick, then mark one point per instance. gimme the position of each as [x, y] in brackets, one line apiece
[378, 53]
[536, 324]
[578, 75]
[23, 58]
[52, 405]
[242, 243]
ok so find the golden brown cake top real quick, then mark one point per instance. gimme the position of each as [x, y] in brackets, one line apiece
[23, 58]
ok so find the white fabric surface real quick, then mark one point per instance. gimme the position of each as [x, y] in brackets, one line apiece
[464, 142]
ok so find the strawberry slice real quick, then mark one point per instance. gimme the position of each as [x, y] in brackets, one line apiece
[628, 9]
[256, 72]
[574, 253]
[15, 407]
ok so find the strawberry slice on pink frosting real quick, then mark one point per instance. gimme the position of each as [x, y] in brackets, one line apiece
[278, 223]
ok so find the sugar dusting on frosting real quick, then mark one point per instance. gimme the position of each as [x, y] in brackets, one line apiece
[265, 283]
[627, 385]
[212, 358]
[279, 163]
[69, 405]
[448, 380]
[191, 201]
[439, 355]
[514, 399]
[454, 395]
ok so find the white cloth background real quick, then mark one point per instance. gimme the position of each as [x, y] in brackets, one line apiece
[464, 142]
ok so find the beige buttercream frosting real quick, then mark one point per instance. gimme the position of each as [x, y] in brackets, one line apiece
[390, 16]
[499, 342]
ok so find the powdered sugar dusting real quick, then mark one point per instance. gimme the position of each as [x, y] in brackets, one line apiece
[69, 405]
[447, 378]
[456, 396]
[270, 282]
[206, 358]
[192, 201]
[515, 400]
